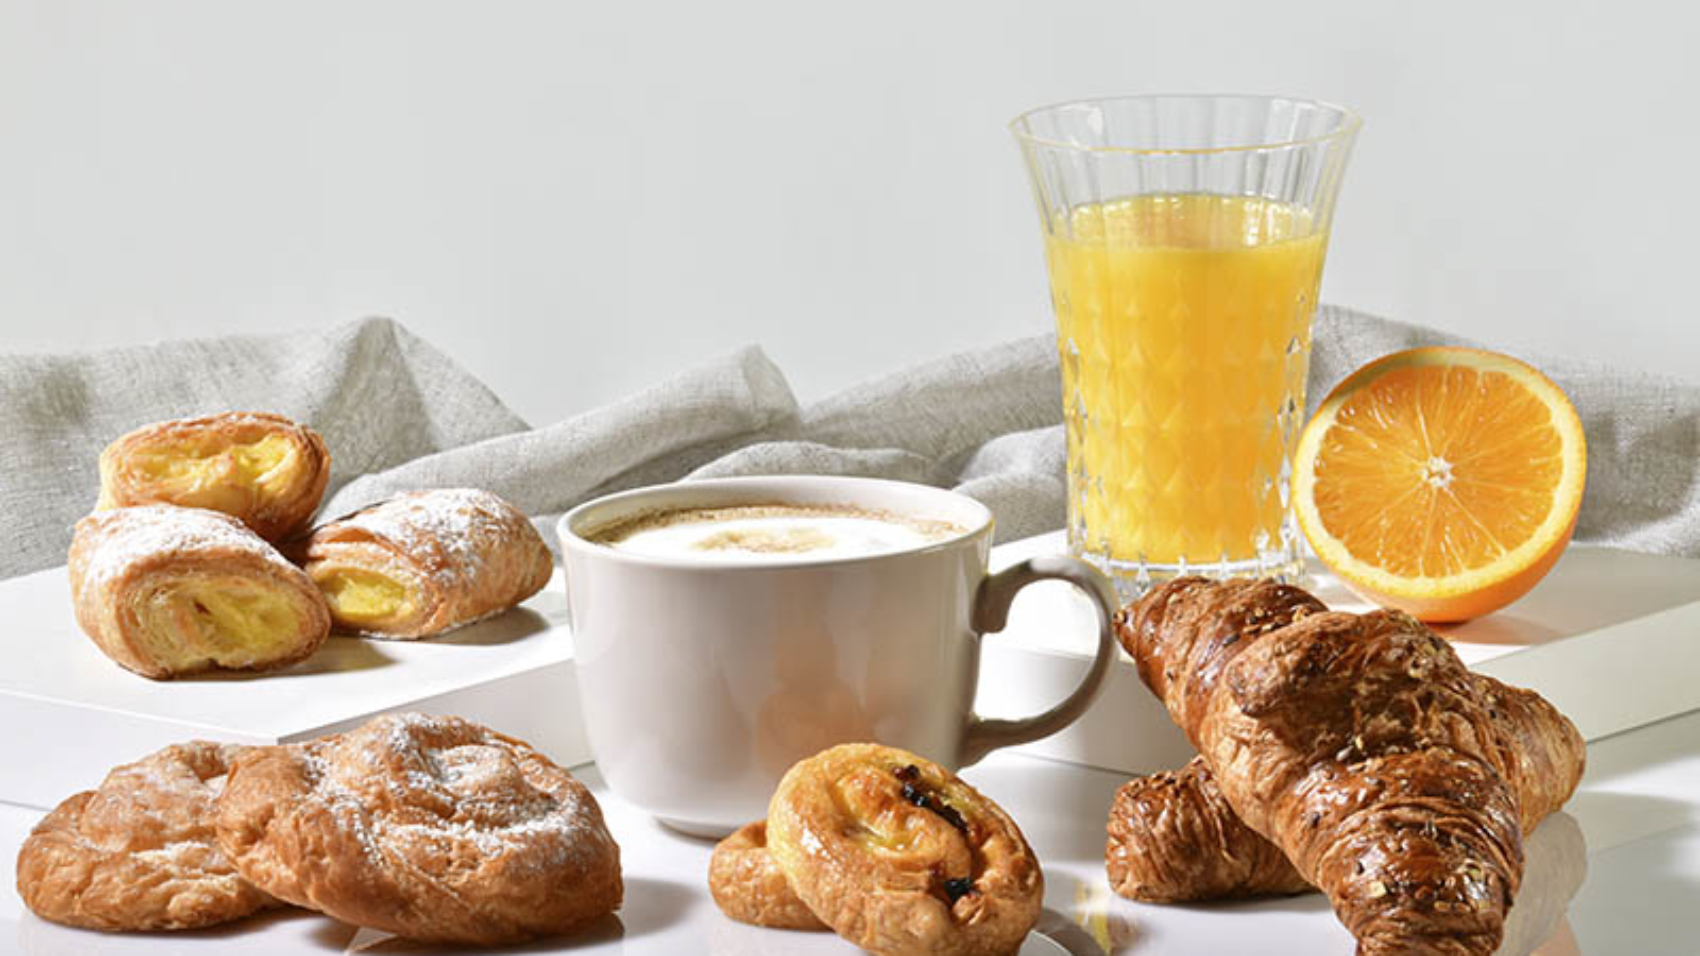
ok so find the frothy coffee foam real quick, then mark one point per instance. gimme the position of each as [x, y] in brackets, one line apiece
[770, 532]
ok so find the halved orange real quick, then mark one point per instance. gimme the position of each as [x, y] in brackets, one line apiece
[1442, 481]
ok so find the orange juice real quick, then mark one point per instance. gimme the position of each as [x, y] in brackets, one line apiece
[1184, 328]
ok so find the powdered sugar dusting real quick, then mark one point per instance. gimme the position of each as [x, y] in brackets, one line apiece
[464, 523]
[151, 822]
[440, 788]
[111, 541]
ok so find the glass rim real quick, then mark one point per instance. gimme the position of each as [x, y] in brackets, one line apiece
[1350, 121]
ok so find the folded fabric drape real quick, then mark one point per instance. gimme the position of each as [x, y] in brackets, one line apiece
[398, 415]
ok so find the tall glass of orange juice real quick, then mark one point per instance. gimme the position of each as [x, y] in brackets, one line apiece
[1185, 237]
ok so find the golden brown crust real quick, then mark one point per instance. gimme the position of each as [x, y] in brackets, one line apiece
[900, 856]
[166, 591]
[1173, 838]
[1357, 744]
[1542, 754]
[749, 887]
[432, 828]
[207, 463]
[460, 554]
[139, 852]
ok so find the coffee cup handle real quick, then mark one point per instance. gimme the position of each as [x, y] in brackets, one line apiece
[991, 613]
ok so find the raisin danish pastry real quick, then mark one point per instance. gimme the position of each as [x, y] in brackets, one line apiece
[425, 562]
[749, 886]
[901, 857]
[166, 591]
[262, 468]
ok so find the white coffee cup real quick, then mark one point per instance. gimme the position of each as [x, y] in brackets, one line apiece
[704, 678]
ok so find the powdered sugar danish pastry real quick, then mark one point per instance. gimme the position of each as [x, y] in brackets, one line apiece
[432, 828]
[262, 468]
[900, 856]
[425, 562]
[167, 591]
[139, 852]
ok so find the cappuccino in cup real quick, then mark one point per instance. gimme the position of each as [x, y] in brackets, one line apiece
[765, 532]
[724, 629]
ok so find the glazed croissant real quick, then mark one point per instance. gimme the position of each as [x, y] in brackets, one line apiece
[1358, 744]
[1173, 837]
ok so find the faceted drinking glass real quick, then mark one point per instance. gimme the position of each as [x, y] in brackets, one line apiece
[1185, 238]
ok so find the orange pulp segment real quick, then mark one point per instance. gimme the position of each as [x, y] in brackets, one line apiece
[1442, 481]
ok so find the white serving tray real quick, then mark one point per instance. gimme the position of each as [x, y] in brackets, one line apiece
[70, 713]
[1611, 637]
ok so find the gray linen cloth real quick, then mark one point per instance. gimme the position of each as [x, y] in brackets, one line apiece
[399, 415]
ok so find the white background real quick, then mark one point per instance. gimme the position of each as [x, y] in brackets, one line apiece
[577, 199]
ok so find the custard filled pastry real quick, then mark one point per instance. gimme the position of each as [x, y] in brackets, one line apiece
[425, 562]
[167, 591]
[264, 469]
[140, 852]
[901, 857]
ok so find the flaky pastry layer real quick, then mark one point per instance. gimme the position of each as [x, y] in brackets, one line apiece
[425, 562]
[749, 886]
[261, 468]
[166, 591]
[139, 852]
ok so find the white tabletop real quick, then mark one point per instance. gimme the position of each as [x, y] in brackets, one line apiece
[1638, 809]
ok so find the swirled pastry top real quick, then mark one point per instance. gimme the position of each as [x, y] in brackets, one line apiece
[900, 856]
[433, 828]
